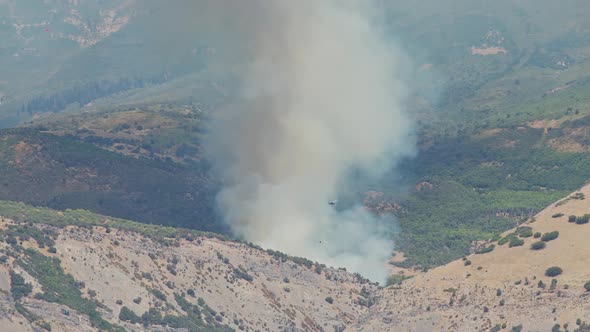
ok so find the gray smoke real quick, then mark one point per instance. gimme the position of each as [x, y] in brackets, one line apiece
[321, 97]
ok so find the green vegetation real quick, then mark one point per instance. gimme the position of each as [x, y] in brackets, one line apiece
[583, 219]
[143, 189]
[329, 300]
[239, 273]
[476, 195]
[587, 286]
[557, 215]
[158, 294]
[18, 287]
[485, 250]
[127, 315]
[396, 279]
[553, 271]
[550, 236]
[538, 245]
[524, 231]
[515, 242]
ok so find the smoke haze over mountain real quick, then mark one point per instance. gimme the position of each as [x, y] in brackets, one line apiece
[321, 97]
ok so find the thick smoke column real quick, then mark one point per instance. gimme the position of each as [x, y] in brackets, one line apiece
[319, 100]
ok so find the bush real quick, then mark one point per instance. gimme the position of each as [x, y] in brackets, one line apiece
[583, 219]
[587, 286]
[537, 235]
[557, 215]
[485, 250]
[550, 236]
[571, 218]
[191, 292]
[159, 295]
[243, 275]
[498, 292]
[467, 263]
[18, 287]
[538, 245]
[329, 299]
[128, 315]
[524, 231]
[553, 271]
[515, 242]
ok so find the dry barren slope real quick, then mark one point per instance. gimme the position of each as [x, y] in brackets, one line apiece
[246, 288]
[499, 287]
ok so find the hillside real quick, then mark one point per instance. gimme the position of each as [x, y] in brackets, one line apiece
[63, 172]
[508, 286]
[467, 188]
[84, 269]
[201, 281]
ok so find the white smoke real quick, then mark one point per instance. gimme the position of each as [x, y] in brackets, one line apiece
[322, 97]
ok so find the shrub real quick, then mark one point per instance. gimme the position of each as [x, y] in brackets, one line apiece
[537, 235]
[243, 275]
[572, 218]
[524, 231]
[159, 295]
[538, 245]
[550, 236]
[587, 286]
[467, 263]
[329, 299]
[286, 280]
[557, 215]
[498, 292]
[128, 315]
[517, 328]
[52, 250]
[191, 292]
[485, 250]
[506, 239]
[515, 242]
[583, 219]
[553, 271]
[18, 287]
[541, 284]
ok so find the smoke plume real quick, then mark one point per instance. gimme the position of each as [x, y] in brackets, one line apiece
[321, 97]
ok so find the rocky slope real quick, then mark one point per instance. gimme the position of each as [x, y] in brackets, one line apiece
[84, 272]
[505, 287]
[221, 285]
